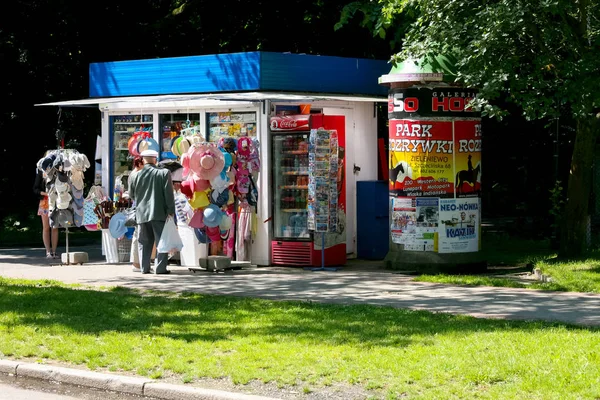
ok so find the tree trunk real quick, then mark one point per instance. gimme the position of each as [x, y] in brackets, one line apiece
[574, 224]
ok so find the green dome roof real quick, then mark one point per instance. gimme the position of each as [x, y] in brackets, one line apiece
[432, 69]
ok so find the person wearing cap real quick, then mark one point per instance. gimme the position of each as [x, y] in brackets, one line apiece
[49, 235]
[152, 190]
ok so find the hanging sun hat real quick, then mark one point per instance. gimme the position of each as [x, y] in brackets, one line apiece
[147, 144]
[77, 193]
[212, 216]
[201, 235]
[63, 201]
[199, 200]
[67, 166]
[244, 146]
[213, 233]
[219, 199]
[58, 162]
[183, 145]
[196, 220]
[61, 186]
[228, 160]
[77, 219]
[79, 161]
[224, 235]
[132, 145]
[76, 209]
[62, 176]
[206, 160]
[187, 188]
[219, 184]
[61, 219]
[52, 197]
[77, 179]
[78, 202]
[185, 163]
[173, 145]
[199, 184]
[225, 223]
[116, 226]
[48, 162]
[64, 218]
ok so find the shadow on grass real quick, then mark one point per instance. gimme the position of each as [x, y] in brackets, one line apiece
[504, 250]
[194, 317]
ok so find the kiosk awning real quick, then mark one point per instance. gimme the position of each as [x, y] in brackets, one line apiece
[211, 99]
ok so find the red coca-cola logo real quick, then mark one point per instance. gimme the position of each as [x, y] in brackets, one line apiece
[289, 123]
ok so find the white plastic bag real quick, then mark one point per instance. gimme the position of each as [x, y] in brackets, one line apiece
[170, 241]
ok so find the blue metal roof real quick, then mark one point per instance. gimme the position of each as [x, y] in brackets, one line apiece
[238, 72]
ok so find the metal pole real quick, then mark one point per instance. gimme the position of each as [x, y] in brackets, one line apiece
[67, 244]
[323, 250]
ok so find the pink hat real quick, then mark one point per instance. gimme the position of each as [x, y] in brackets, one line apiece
[197, 219]
[185, 163]
[206, 160]
[199, 185]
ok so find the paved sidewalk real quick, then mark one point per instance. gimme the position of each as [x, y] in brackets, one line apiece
[358, 283]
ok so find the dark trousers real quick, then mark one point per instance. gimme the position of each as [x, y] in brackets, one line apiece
[149, 236]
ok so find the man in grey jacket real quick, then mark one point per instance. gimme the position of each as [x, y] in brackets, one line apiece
[152, 190]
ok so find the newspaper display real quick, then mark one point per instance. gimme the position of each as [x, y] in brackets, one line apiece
[322, 180]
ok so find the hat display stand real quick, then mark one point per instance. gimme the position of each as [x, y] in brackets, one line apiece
[64, 170]
[208, 183]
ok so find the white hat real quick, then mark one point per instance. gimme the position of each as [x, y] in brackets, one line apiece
[63, 201]
[61, 187]
[149, 153]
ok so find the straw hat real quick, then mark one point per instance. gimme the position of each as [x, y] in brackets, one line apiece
[206, 160]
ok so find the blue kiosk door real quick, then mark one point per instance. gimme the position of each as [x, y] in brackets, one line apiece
[372, 220]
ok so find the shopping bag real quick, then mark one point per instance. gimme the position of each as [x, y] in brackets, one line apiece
[170, 241]
[130, 214]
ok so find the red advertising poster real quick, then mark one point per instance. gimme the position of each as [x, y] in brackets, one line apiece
[421, 161]
[467, 157]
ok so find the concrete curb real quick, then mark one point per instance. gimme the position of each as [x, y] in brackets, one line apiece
[119, 383]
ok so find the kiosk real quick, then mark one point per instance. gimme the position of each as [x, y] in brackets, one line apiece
[237, 95]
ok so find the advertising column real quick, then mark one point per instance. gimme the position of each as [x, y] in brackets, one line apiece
[434, 176]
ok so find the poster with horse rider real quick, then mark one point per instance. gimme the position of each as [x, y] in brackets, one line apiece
[433, 158]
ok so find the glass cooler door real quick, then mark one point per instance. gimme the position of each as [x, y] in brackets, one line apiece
[290, 186]
[171, 126]
[123, 127]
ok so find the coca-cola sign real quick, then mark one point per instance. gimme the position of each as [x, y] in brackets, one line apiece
[290, 123]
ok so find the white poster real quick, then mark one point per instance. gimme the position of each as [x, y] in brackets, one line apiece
[404, 220]
[415, 222]
[459, 225]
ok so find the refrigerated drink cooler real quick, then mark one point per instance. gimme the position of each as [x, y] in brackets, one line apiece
[293, 244]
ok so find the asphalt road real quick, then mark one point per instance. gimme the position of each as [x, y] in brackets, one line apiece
[13, 388]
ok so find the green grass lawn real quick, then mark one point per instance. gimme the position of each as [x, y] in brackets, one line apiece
[579, 275]
[388, 352]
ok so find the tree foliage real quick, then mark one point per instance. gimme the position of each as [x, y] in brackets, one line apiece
[46, 48]
[541, 55]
